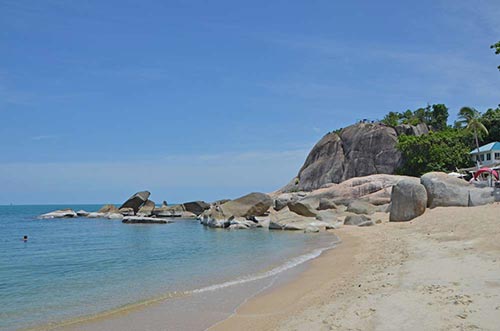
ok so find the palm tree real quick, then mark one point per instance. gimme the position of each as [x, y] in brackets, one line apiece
[472, 118]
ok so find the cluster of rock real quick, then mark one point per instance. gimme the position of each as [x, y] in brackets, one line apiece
[137, 209]
[359, 201]
[358, 150]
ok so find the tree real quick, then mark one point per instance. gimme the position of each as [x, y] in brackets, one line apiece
[496, 47]
[491, 120]
[437, 151]
[438, 117]
[472, 119]
[392, 119]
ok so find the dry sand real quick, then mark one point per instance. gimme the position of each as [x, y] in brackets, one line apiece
[440, 271]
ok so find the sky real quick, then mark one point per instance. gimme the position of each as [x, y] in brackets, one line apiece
[213, 99]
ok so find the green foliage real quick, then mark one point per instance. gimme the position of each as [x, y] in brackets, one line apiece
[496, 47]
[491, 120]
[438, 151]
[435, 116]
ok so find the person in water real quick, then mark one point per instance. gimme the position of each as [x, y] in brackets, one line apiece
[25, 238]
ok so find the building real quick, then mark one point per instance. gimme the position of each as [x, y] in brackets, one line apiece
[487, 155]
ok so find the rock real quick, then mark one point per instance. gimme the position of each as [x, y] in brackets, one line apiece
[187, 214]
[287, 220]
[196, 207]
[97, 215]
[126, 211]
[311, 229]
[383, 208]
[443, 191]
[144, 220]
[62, 213]
[253, 204]
[214, 218]
[146, 209]
[325, 204]
[327, 215]
[302, 208]
[409, 200]
[82, 213]
[136, 201]
[411, 130]
[238, 226]
[358, 150]
[361, 207]
[375, 189]
[356, 219]
[169, 211]
[367, 223]
[108, 209]
[114, 216]
[282, 200]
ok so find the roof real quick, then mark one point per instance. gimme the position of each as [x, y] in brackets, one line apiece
[494, 146]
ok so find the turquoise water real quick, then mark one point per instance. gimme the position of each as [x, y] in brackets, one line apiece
[79, 267]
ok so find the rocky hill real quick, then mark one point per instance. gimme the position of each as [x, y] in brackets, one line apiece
[359, 150]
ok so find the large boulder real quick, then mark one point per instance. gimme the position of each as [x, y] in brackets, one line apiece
[443, 191]
[409, 200]
[358, 150]
[302, 208]
[196, 207]
[108, 209]
[253, 204]
[287, 220]
[146, 209]
[136, 201]
[215, 218]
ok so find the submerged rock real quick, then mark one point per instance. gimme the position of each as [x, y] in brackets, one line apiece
[144, 220]
[62, 213]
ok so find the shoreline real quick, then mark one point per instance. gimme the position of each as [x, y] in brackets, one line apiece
[257, 283]
[439, 271]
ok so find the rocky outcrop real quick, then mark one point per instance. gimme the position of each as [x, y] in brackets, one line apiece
[136, 201]
[358, 150]
[443, 191]
[375, 189]
[411, 130]
[248, 206]
[409, 200]
[196, 207]
[146, 209]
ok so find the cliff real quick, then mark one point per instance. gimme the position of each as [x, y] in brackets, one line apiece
[359, 150]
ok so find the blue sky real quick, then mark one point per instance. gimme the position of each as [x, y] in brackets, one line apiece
[213, 99]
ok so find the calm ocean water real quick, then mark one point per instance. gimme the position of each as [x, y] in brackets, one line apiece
[79, 267]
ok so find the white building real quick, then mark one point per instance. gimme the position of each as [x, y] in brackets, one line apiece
[487, 155]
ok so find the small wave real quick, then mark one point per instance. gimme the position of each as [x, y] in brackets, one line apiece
[298, 260]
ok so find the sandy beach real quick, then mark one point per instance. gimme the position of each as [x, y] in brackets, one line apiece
[440, 271]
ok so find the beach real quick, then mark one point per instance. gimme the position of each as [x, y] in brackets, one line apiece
[440, 271]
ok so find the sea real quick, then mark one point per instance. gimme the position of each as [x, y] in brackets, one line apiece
[70, 271]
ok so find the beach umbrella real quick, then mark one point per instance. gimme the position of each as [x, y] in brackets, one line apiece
[483, 170]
